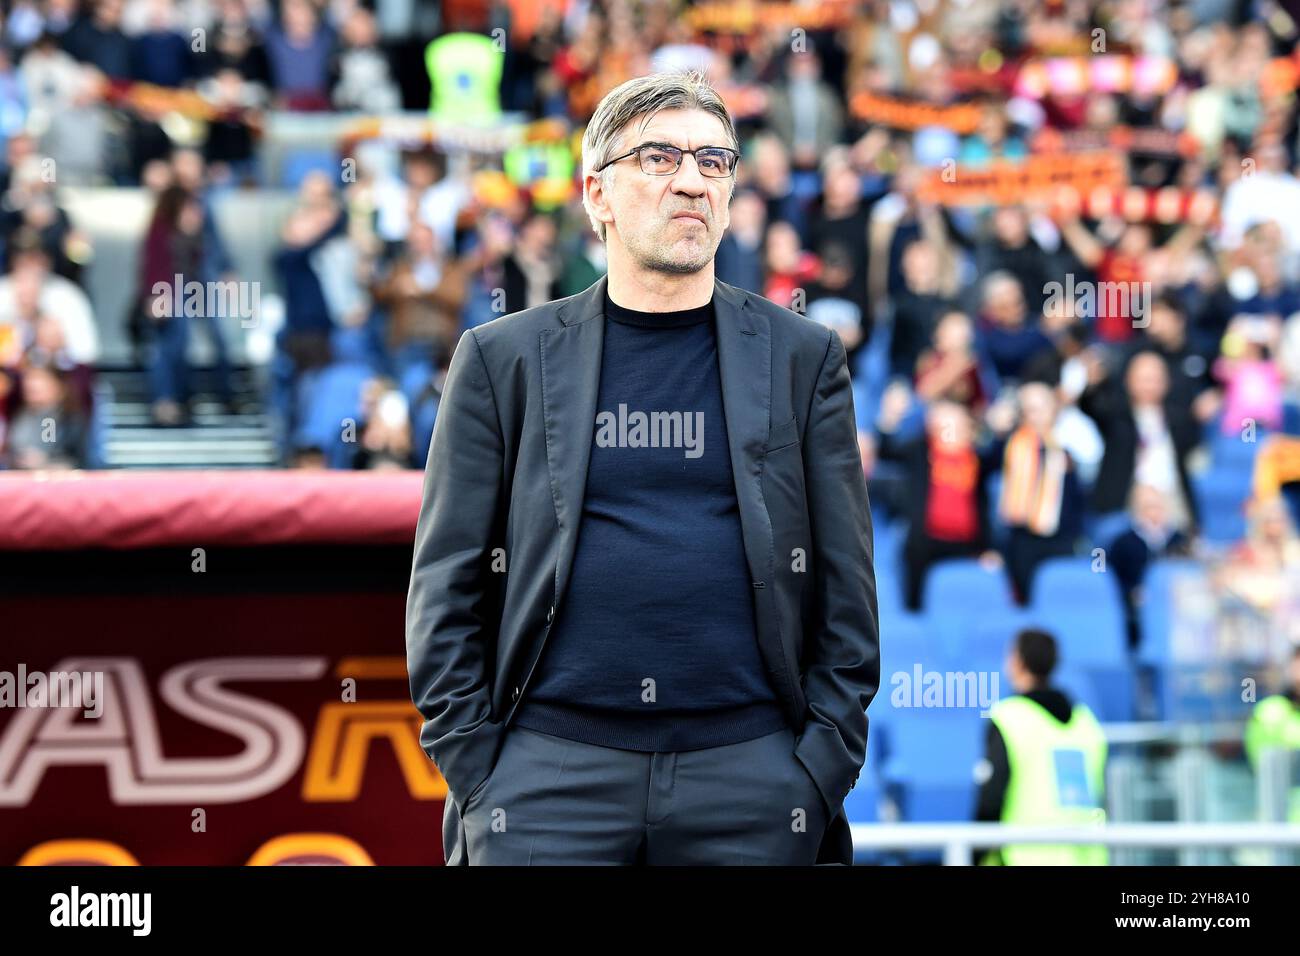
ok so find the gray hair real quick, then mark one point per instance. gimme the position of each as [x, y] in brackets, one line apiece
[645, 96]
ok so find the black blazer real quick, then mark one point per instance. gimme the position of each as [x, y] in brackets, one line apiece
[507, 470]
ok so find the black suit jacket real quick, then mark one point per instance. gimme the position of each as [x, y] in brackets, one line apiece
[505, 480]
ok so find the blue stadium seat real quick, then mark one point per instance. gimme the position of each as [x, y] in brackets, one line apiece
[982, 633]
[932, 754]
[962, 594]
[1102, 530]
[1231, 453]
[1082, 609]
[1221, 494]
[1291, 418]
[1154, 612]
[298, 163]
[1182, 691]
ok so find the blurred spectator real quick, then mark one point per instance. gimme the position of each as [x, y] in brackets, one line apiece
[1042, 501]
[424, 293]
[97, 38]
[739, 260]
[234, 45]
[1005, 333]
[30, 292]
[1190, 383]
[946, 479]
[1250, 375]
[1148, 438]
[917, 308]
[160, 54]
[1148, 536]
[299, 49]
[425, 193]
[178, 278]
[789, 268]
[1010, 247]
[363, 81]
[805, 112]
[385, 428]
[48, 431]
[531, 269]
[1261, 570]
[232, 132]
[30, 215]
[992, 139]
[831, 298]
[950, 370]
[841, 218]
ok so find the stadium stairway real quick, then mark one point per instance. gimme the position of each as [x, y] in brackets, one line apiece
[126, 437]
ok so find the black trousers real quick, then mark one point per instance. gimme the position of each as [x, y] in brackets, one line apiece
[920, 552]
[1025, 551]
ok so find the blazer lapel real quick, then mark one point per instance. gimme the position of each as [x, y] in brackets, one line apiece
[571, 357]
[745, 367]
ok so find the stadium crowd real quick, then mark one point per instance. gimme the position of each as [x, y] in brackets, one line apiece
[1036, 370]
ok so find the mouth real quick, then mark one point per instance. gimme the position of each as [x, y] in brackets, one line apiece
[690, 215]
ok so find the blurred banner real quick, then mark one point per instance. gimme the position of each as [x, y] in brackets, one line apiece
[252, 701]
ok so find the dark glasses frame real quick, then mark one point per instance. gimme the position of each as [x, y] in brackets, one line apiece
[681, 155]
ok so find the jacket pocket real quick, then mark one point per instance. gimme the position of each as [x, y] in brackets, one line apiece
[782, 436]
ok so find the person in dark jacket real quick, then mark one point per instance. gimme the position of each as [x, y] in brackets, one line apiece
[1148, 438]
[1149, 536]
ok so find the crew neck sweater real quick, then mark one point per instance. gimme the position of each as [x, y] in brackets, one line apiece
[654, 646]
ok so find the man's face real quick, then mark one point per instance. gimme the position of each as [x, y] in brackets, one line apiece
[647, 209]
[1147, 379]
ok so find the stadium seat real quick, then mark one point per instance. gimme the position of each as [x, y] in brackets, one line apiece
[961, 595]
[1185, 689]
[1221, 495]
[1082, 609]
[1102, 530]
[299, 163]
[1231, 453]
[930, 762]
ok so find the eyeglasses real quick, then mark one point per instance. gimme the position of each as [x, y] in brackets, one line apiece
[664, 159]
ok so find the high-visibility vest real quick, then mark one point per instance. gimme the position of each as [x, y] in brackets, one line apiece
[1275, 722]
[1057, 779]
[465, 73]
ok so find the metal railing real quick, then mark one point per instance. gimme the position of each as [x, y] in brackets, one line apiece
[958, 840]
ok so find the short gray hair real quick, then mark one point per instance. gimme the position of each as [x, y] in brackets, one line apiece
[645, 96]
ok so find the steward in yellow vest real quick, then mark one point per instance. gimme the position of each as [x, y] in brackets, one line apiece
[1045, 761]
[1275, 722]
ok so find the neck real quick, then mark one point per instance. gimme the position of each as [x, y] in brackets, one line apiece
[646, 290]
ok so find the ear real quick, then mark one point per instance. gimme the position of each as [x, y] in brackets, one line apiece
[596, 202]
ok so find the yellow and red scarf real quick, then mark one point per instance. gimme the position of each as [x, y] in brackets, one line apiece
[1033, 479]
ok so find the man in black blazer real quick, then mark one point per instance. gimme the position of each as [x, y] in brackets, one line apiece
[642, 621]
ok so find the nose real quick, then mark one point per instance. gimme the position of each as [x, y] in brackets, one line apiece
[689, 181]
